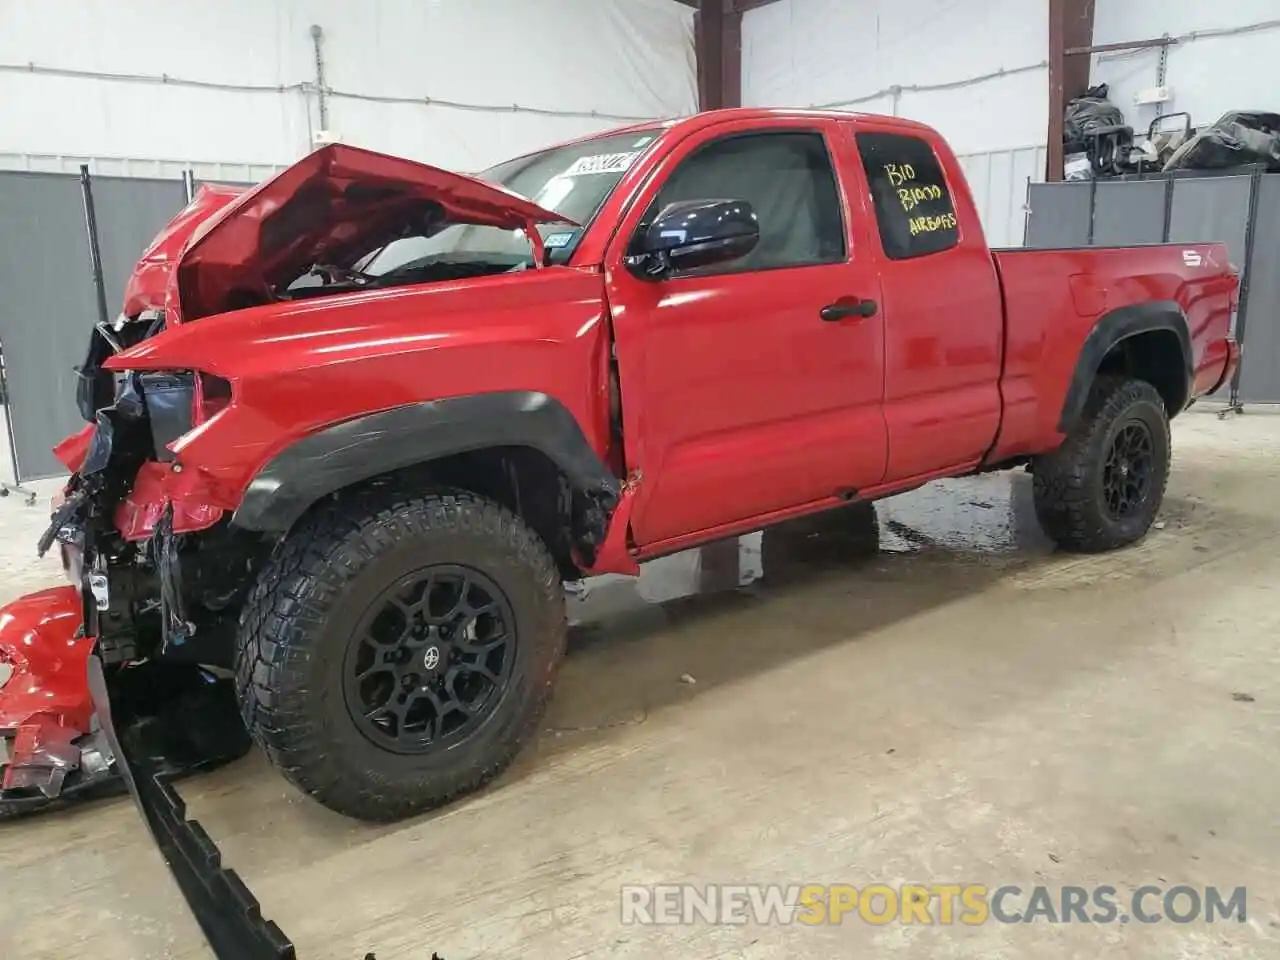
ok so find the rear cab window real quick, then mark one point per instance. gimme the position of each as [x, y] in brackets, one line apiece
[914, 208]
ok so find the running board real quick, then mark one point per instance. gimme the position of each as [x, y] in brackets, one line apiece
[228, 914]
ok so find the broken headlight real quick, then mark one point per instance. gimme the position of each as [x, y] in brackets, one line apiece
[177, 402]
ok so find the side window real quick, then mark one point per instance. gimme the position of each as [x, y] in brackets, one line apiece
[786, 177]
[913, 204]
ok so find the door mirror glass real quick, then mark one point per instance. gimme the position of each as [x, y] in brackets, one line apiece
[695, 233]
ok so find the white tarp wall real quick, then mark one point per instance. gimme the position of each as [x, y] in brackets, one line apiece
[977, 70]
[230, 86]
[1225, 59]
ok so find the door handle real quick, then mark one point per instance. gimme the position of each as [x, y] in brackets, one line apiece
[847, 308]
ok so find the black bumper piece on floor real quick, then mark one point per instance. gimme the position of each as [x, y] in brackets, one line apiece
[228, 914]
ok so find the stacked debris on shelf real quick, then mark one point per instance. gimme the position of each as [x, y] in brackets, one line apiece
[1236, 139]
[1096, 141]
[1161, 142]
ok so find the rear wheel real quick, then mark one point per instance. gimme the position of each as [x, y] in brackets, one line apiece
[1104, 486]
[399, 650]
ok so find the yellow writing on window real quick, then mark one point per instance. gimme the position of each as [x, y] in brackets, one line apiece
[899, 173]
[910, 194]
[946, 221]
[912, 197]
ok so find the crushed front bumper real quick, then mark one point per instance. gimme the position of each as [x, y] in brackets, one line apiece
[63, 737]
[51, 749]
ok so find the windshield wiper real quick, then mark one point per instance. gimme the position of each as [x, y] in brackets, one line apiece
[334, 275]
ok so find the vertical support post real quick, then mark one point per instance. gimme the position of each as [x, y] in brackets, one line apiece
[1093, 208]
[708, 33]
[731, 56]
[1168, 207]
[5, 486]
[189, 184]
[95, 249]
[1162, 73]
[1070, 27]
[1026, 214]
[322, 89]
[718, 42]
[1246, 274]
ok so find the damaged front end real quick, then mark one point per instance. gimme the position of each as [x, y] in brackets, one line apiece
[119, 681]
[156, 604]
[51, 749]
[132, 683]
[128, 520]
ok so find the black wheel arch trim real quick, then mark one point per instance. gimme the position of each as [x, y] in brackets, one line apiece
[1112, 328]
[405, 436]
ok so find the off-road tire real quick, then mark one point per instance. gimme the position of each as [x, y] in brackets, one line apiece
[1068, 488]
[300, 617]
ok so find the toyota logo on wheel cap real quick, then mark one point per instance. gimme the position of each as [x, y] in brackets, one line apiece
[431, 659]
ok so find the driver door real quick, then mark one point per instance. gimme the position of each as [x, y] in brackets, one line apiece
[740, 402]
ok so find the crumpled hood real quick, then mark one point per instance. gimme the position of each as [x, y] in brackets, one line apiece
[147, 284]
[333, 206]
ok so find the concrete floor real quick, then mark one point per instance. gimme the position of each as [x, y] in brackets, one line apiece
[960, 706]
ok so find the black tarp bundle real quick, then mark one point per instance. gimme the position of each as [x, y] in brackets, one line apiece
[1088, 114]
[1236, 139]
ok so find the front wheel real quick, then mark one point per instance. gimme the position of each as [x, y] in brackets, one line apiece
[399, 650]
[1103, 487]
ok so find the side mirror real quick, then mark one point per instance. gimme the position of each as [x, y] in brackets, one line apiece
[695, 233]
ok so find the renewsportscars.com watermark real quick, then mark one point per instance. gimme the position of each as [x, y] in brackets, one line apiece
[940, 903]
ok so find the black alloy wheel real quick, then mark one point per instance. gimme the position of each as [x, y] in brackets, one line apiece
[1103, 487]
[399, 648]
[431, 659]
[1127, 472]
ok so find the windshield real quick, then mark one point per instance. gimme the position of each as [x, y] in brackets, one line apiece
[573, 180]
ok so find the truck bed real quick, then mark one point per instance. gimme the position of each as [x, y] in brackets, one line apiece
[1054, 298]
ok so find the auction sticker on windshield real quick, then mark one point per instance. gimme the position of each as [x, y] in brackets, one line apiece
[556, 241]
[601, 163]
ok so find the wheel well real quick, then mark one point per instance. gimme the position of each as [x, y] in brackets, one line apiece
[529, 484]
[1154, 356]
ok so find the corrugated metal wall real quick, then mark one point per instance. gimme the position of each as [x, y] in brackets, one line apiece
[999, 182]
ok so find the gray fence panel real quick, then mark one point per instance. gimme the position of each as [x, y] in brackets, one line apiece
[48, 305]
[1202, 209]
[1212, 209]
[1059, 215]
[1129, 213]
[1260, 360]
[130, 213]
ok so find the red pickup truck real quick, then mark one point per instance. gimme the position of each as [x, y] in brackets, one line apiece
[356, 426]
